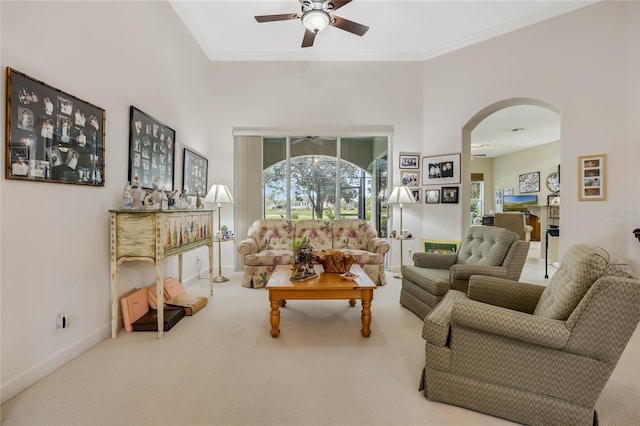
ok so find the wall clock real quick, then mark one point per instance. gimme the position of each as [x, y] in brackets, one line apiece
[553, 182]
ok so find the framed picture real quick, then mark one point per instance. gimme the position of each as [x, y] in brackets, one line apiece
[441, 170]
[432, 196]
[194, 173]
[409, 178]
[410, 160]
[498, 196]
[508, 191]
[151, 152]
[52, 136]
[592, 177]
[416, 194]
[449, 194]
[529, 182]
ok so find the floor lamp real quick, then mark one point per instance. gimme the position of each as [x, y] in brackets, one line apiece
[219, 194]
[400, 195]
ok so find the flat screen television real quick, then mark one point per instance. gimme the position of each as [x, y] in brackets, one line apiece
[519, 203]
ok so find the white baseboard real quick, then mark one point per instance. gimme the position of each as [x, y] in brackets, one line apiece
[52, 363]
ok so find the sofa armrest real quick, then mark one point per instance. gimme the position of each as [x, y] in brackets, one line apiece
[512, 324]
[434, 260]
[464, 271]
[248, 246]
[507, 294]
[378, 245]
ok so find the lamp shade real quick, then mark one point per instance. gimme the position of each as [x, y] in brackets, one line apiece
[219, 194]
[401, 195]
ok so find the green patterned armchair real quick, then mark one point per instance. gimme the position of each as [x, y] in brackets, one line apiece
[533, 354]
[485, 250]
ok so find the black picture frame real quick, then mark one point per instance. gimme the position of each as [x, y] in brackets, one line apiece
[432, 196]
[529, 182]
[449, 194]
[195, 168]
[152, 147]
[51, 135]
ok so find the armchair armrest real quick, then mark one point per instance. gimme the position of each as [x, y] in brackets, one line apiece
[434, 260]
[512, 324]
[464, 271]
[248, 246]
[507, 294]
[378, 245]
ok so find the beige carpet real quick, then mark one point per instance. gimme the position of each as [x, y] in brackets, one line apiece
[221, 367]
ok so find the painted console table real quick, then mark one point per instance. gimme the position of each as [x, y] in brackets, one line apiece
[153, 236]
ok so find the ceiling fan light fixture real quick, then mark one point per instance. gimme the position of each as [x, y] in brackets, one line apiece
[315, 20]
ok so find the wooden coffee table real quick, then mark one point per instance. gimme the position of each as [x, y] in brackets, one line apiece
[325, 286]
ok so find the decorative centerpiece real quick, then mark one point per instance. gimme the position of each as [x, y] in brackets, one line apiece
[335, 261]
[303, 256]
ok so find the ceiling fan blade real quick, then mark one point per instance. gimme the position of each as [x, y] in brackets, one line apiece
[350, 26]
[337, 4]
[309, 37]
[271, 18]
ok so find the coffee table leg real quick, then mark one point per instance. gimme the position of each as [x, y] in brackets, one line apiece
[275, 318]
[366, 313]
[352, 302]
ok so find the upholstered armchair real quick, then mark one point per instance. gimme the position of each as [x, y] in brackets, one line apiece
[533, 354]
[514, 221]
[486, 250]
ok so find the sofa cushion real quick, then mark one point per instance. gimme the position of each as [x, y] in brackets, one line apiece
[318, 232]
[581, 266]
[435, 281]
[269, 257]
[352, 234]
[485, 245]
[272, 234]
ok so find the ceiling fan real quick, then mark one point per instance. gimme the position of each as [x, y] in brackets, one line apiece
[316, 140]
[316, 16]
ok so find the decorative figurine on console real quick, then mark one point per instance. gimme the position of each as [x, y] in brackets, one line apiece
[150, 202]
[199, 203]
[171, 199]
[136, 194]
[127, 198]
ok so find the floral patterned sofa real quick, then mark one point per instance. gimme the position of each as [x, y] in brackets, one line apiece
[269, 244]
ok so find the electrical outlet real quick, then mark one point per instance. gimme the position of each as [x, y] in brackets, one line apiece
[197, 259]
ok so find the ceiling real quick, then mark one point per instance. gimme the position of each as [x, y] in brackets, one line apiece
[399, 31]
[513, 129]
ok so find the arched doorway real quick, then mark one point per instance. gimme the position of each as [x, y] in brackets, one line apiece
[467, 139]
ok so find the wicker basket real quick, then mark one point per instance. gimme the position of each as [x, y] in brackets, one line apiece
[335, 261]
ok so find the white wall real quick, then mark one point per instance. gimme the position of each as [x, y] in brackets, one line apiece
[584, 63]
[543, 158]
[55, 237]
[300, 95]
